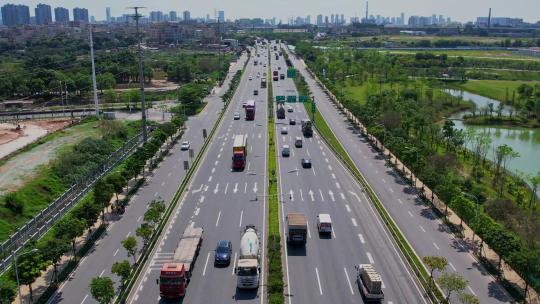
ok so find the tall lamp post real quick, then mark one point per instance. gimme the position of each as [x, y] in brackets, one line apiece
[17, 270]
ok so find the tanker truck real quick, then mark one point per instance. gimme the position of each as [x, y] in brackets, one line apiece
[248, 268]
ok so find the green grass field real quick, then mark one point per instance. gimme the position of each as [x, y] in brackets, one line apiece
[495, 89]
[496, 54]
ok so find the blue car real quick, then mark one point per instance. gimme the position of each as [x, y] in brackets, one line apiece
[222, 254]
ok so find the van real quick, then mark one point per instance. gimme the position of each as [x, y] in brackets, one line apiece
[298, 142]
[324, 223]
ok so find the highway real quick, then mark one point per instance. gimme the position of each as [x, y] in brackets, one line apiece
[324, 271]
[221, 202]
[162, 183]
[426, 233]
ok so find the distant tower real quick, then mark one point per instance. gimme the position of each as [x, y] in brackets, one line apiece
[367, 10]
[489, 19]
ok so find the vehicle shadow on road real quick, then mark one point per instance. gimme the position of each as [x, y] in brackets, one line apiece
[294, 250]
[246, 294]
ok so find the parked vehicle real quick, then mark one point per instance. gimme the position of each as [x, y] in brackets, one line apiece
[239, 152]
[296, 228]
[222, 254]
[248, 268]
[174, 276]
[369, 282]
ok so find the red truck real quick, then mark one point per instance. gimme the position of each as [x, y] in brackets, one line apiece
[275, 76]
[174, 276]
[239, 152]
[250, 109]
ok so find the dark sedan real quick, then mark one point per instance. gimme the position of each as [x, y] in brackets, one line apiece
[222, 255]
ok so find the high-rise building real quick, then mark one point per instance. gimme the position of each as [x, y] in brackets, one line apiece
[319, 19]
[332, 18]
[402, 20]
[13, 15]
[43, 14]
[173, 17]
[221, 16]
[156, 16]
[108, 14]
[187, 15]
[326, 20]
[342, 19]
[80, 15]
[61, 15]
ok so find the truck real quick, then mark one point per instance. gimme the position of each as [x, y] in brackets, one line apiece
[296, 228]
[174, 276]
[263, 82]
[369, 282]
[275, 76]
[239, 152]
[280, 112]
[248, 269]
[307, 128]
[250, 109]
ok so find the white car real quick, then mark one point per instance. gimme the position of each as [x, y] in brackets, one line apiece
[324, 223]
[284, 130]
[236, 116]
[185, 145]
[250, 78]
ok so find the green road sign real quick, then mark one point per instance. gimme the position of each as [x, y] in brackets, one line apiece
[291, 73]
[303, 98]
[291, 98]
[280, 98]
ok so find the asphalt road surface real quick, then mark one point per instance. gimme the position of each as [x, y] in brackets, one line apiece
[323, 271]
[425, 232]
[162, 184]
[222, 202]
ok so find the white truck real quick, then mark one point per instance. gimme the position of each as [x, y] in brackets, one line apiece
[324, 223]
[248, 268]
[369, 282]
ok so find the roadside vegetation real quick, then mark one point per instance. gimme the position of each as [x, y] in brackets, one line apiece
[407, 115]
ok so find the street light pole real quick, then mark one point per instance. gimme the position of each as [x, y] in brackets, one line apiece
[141, 73]
[17, 271]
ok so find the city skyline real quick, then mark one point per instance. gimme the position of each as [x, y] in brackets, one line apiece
[284, 10]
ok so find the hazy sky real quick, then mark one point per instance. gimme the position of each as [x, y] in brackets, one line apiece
[461, 10]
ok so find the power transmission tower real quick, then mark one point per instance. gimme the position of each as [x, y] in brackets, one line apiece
[96, 102]
[136, 16]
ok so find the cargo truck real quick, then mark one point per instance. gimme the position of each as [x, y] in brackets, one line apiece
[250, 109]
[275, 76]
[263, 82]
[369, 282]
[248, 268]
[239, 152]
[174, 277]
[296, 228]
[307, 128]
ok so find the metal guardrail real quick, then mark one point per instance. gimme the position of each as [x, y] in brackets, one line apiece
[44, 220]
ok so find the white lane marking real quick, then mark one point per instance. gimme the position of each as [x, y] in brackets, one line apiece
[218, 217]
[437, 247]
[197, 211]
[235, 188]
[216, 162]
[213, 170]
[391, 190]
[101, 274]
[128, 234]
[333, 176]
[313, 169]
[206, 264]
[330, 167]
[355, 195]
[308, 231]
[245, 187]
[162, 184]
[331, 195]
[361, 237]
[255, 187]
[301, 195]
[241, 215]
[383, 180]
[452, 265]
[139, 218]
[201, 199]
[354, 222]
[326, 159]
[400, 201]
[219, 155]
[210, 178]
[338, 185]
[318, 280]
[422, 228]
[85, 297]
[226, 187]
[348, 280]
[370, 258]
[116, 252]
[342, 195]
[156, 194]
[234, 264]
[311, 194]
[382, 284]
[216, 189]
[249, 165]
[324, 153]
[348, 208]
[198, 190]
[410, 213]
[320, 193]
[307, 152]
[221, 150]
[169, 175]
[471, 290]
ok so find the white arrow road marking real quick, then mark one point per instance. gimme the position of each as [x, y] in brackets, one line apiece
[255, 187]
[331, 195]
[291, 195]
[245, 187]
[235, 188]
[216, 189]
[355, 195]
[311, 194]
[322, 197]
